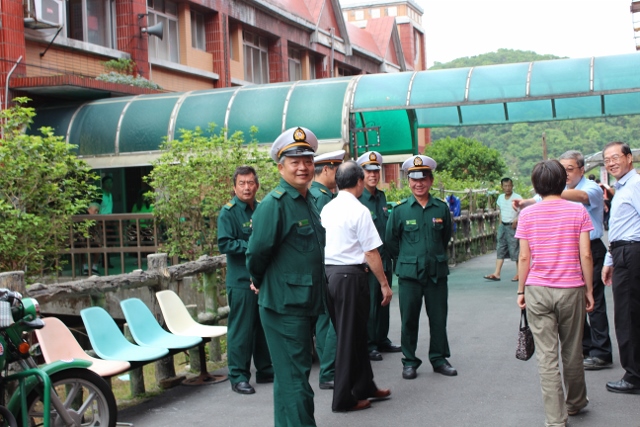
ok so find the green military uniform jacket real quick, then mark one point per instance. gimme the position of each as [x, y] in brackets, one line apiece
[234, 229]
[321, 193]
[377, 205]
[417, 239]
[285, 256]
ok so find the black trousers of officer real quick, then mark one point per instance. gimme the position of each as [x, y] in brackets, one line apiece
[348, 304]
[596, 341]
[626, 301]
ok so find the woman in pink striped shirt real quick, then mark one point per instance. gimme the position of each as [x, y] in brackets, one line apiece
[556, 269]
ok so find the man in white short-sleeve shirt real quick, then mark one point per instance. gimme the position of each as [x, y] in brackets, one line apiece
[351, 241]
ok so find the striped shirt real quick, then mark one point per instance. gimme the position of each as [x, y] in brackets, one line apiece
[553, 229]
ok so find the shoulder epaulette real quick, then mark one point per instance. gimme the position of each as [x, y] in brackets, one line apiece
[324, 191]
[401, 202]
[229, 205]
[277, 193]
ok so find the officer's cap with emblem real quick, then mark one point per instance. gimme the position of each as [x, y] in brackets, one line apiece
[332, 158]
[371, 161]
[416, 167]
[294, 142]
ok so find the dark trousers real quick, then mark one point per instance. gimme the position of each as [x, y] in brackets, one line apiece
[245, 337]
[378, 324]
[348, 304]
[411, 293]
[596, 341]
[289, 339]
[626, 313]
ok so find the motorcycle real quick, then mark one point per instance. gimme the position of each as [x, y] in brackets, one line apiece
[62, 393]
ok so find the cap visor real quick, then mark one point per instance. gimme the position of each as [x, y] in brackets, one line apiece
[371, 167]
[417, 175]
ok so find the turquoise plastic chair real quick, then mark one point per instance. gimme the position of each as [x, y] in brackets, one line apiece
[146, 330]
[108, 341]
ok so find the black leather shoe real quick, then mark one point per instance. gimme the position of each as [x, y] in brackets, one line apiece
[623, 386]
[327, 385]
[389, 348]
[595, 364]
[409, 372]
[375, 355]
[243, 387]
[264, 380]
[446, 369]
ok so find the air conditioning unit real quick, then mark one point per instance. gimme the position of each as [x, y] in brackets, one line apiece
[42, 13]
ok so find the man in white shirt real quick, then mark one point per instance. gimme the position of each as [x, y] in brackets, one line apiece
[352, 240]
[508, 246]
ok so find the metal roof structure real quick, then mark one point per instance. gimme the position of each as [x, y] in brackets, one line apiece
[358, 113]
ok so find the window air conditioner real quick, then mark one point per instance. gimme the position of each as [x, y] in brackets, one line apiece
[42, 13]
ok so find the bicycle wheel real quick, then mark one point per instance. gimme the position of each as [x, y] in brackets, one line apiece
[86, 396]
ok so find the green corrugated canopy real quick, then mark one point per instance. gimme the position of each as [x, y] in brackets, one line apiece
[379, 112]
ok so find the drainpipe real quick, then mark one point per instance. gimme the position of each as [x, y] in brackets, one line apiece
[332, 31]
[6, 90]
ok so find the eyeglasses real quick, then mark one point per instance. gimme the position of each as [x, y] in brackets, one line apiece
[613, 159]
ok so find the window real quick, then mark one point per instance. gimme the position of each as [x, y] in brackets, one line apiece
[375, 13]
[166, 12]
[198, 40]
[345, 72]
[359, 15]
[91, 21]
[392, 11]
[295, 65]
[256, 58]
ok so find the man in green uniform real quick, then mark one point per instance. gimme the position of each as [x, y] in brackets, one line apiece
[285, 259]
[323, 188]
[376, 201]
[245, 336]
[417, 236]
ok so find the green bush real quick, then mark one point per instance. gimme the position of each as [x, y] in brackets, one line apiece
[126, 79]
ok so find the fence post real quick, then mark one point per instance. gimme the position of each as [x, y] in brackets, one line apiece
[14, 281]
[210, 285]
[136, 376]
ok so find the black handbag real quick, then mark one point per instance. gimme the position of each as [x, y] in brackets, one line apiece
[526, 347]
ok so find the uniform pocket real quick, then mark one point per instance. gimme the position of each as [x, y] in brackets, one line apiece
[411, 233]
[442, 265]
[304, 239]
[407, 267]
[298, 291]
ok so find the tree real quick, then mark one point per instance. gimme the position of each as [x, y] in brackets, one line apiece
[467, 159]
[42, 185]
[193, 181]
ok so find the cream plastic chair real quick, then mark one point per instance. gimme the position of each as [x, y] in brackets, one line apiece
[179, 321]
[58, 343]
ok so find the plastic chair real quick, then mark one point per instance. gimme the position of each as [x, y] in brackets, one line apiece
[58, 343]
[179, 322]
[146, 330]
[109, 342]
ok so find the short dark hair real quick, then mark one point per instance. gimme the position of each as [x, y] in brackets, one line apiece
[549, 178]
[107, 178]
[348, 175]
[626, 150]
[317, 170]
[592, 177]
[505, 179]
[244, 170]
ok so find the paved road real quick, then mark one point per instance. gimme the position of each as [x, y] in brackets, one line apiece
[493, 388]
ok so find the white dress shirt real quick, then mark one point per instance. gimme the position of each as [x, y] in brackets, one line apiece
[350, 230]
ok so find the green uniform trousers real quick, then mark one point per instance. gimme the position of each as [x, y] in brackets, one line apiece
[378, 324]
[326, 347]
[245, 337]
[289, 339]
[411, 293]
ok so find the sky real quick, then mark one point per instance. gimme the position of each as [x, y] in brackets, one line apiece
[566, 28]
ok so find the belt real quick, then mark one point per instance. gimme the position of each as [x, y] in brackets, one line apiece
[363, 267]
[619, 243]
[507, 223]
